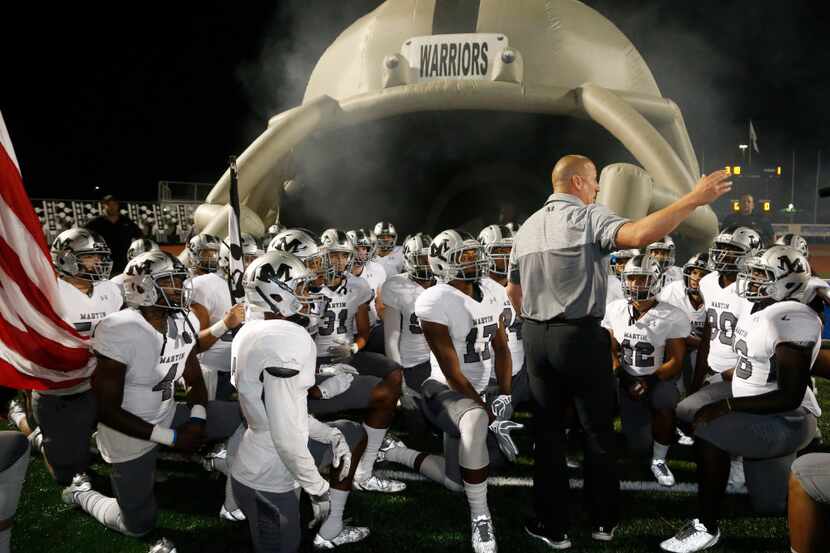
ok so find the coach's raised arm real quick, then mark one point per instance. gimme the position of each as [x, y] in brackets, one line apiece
[558, 280]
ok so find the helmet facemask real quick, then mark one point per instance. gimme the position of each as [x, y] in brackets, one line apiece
[640, 286]
[498, 256]
[471, 262]
[173, 291]
[339, 264]
[726, 258]
[93, 265]
[691, 278]
[663, 254]
[417, 265]
[386, 243]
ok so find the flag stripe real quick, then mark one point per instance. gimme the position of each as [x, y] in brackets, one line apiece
[12, 378]
[13, 194]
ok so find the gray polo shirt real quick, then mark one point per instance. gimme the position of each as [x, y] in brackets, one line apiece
[560, 258]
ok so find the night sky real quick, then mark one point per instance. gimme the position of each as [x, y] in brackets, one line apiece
[121, 100]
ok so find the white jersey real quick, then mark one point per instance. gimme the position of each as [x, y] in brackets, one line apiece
[723, 309]
[756, 337]
[400, 293]
[676, 295]
[471, 325]
[614, 290]
[211, 292]
[513, 327]
[643, 342]
[338, 320]
[84, 312]
[154, 362]
[118, 280]
[375, 275]
[393, 262]
[273, 368]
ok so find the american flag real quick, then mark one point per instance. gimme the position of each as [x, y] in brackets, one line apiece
[38, 349]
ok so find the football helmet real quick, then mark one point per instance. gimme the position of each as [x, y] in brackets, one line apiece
[514, 227]
[456, 255]
[387, 237]
[305, 245]
[279, 282]
[416, 256]
[272, 231]
[779, 273]
[498, 243]
[642, 278]
[794, 241]
[141, 245]
[699, 261]
[663, 251]
[618, 260]
[732, 247]
[203, 250]
[81, 253]
[337, 242]
[365, 244]
[157, 279]
[250, 251]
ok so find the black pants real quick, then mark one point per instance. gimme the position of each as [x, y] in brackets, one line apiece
[572, 360]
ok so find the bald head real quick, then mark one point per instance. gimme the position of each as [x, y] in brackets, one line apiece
[576, 175]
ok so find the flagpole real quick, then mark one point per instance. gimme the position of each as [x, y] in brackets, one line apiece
[234, 235]
[792, 187]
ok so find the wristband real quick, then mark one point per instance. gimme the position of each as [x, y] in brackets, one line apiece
[218, 329]
[354, 347]
[163, 436]
[198, 412]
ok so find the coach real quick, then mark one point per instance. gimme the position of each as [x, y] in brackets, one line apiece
[558, 277]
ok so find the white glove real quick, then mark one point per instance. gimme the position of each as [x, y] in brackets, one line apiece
[502, 407]
[341, 455]
[339, 368]
[342, 350]
[502, 429]
[335, 385]
[320, 506]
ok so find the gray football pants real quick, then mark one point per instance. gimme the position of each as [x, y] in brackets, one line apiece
[133, 509]
[273, 518]
[14, 460]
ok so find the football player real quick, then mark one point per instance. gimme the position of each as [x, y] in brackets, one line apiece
[365, 244]
[648, 343]
[794, 241]
[140, 353]
[730, 249]
[388, 254]
[617, 261]
[67, 416]
[768, 412]
[664, 252]
[461, 320]
[341, 336]
[273, 368]
[219, 319]
[270, 234]
[137, 246]
[498, 243]
[203, 254]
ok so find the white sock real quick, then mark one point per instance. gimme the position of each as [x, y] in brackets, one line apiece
[659, 451]
[16, 417]
[5, 540]
[334, 523]
[403, 456]
[374, 440]
[477, 499]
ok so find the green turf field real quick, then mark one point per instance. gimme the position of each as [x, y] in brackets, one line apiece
[425, 518]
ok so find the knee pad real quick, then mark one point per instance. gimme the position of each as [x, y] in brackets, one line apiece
[472, 426]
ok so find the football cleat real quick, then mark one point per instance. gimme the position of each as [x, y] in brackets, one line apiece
[662, 473]
[80, 483]
[349, 534]
[484, 535]
[603, 533]
[381, 485]
[388, 445]
[694, 536]
[553, 539]
[209, 461]
[163, 546]
[36, 439]
[684, 439]
[234, 516]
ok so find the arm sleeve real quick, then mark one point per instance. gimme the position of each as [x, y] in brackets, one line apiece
[604, 226]
[430, 308]
[110, 340]
[288, 420]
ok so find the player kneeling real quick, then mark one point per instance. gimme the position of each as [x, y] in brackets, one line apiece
[770, 412]
[140, 353]
[648, 345]
[273, 367]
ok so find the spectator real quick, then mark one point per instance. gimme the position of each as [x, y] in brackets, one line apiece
[117, 230]
[746, 217]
